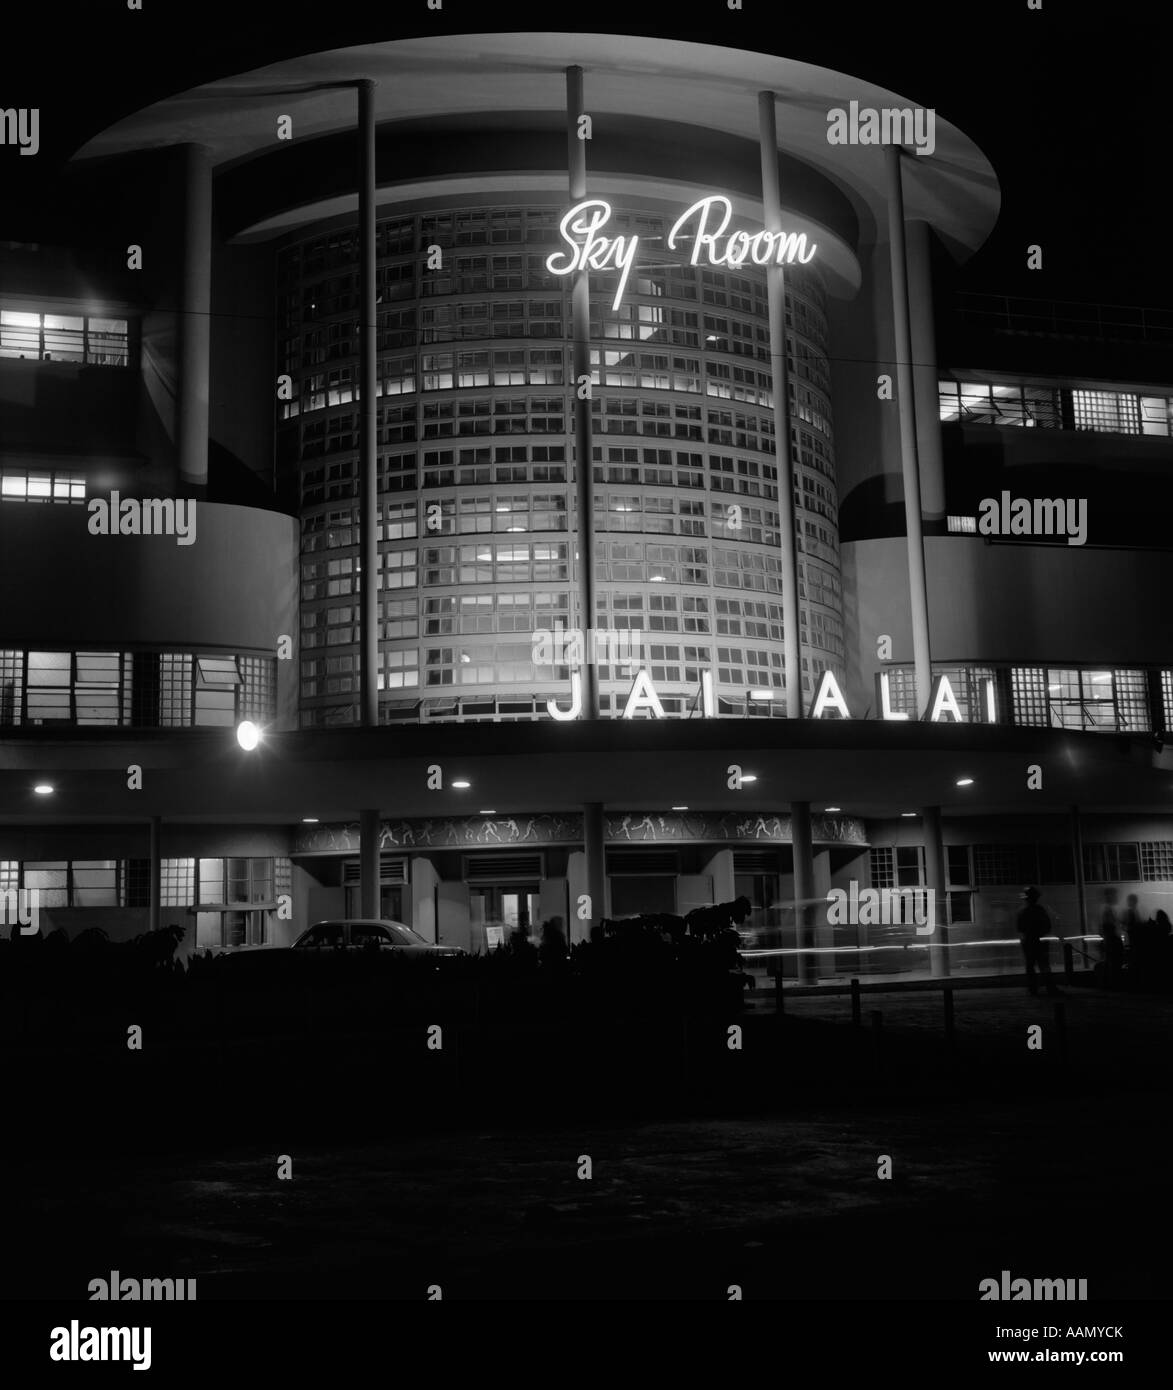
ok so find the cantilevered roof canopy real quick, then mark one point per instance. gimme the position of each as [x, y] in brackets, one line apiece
[955, 188]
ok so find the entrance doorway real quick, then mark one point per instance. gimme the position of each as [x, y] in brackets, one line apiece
[496, 910]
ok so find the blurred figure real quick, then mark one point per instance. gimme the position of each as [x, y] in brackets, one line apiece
[1113, 947]
[553, 952]
[521, 950]
[1131, 920]
[1033, 925]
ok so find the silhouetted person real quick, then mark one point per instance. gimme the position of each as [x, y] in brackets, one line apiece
[1033, 925]
[1113, 947]
[522, 951]
[553, 952]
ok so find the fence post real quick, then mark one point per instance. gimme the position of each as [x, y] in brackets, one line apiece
[947, 1000]
[856, 1015]
[1068, 961]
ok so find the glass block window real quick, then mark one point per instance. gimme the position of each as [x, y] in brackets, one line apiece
[1156, 860]
[1110, 412]
[258, 692]
[177, 882]
[11, 686]
[1029, 688]
[174, 690]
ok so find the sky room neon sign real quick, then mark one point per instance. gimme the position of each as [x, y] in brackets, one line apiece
[826, 702]
[581, 230]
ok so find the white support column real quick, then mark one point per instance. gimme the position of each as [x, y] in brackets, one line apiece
[918, 590]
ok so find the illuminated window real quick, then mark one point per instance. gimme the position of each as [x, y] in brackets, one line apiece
[75, 338]
[1106, 411]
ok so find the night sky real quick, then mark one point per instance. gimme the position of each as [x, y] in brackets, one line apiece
[1067, 107]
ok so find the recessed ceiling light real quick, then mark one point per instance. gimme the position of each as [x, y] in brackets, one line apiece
[462, 785]
[834, 808]
[749, 776]
[309, 820]
[908, 814]
[965, 782]
[488, 813]
[680, 808]
[43, 789]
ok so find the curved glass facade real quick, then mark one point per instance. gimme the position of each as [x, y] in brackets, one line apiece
[476, 487]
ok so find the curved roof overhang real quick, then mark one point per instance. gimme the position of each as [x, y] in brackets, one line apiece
[626, 78]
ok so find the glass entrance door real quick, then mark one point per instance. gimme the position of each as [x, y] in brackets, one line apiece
[497, 910]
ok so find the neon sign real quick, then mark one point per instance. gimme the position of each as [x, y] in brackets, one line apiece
[827, 700]
[581, 230]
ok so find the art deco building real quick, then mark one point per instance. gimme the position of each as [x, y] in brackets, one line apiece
[223, 365]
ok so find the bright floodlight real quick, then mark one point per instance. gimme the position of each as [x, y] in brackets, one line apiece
[43, 789]
[247, 735]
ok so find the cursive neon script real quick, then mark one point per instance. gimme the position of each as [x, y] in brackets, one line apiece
[582, 226]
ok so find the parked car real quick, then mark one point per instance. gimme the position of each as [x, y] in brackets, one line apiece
[339, 937]
[360, 933]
